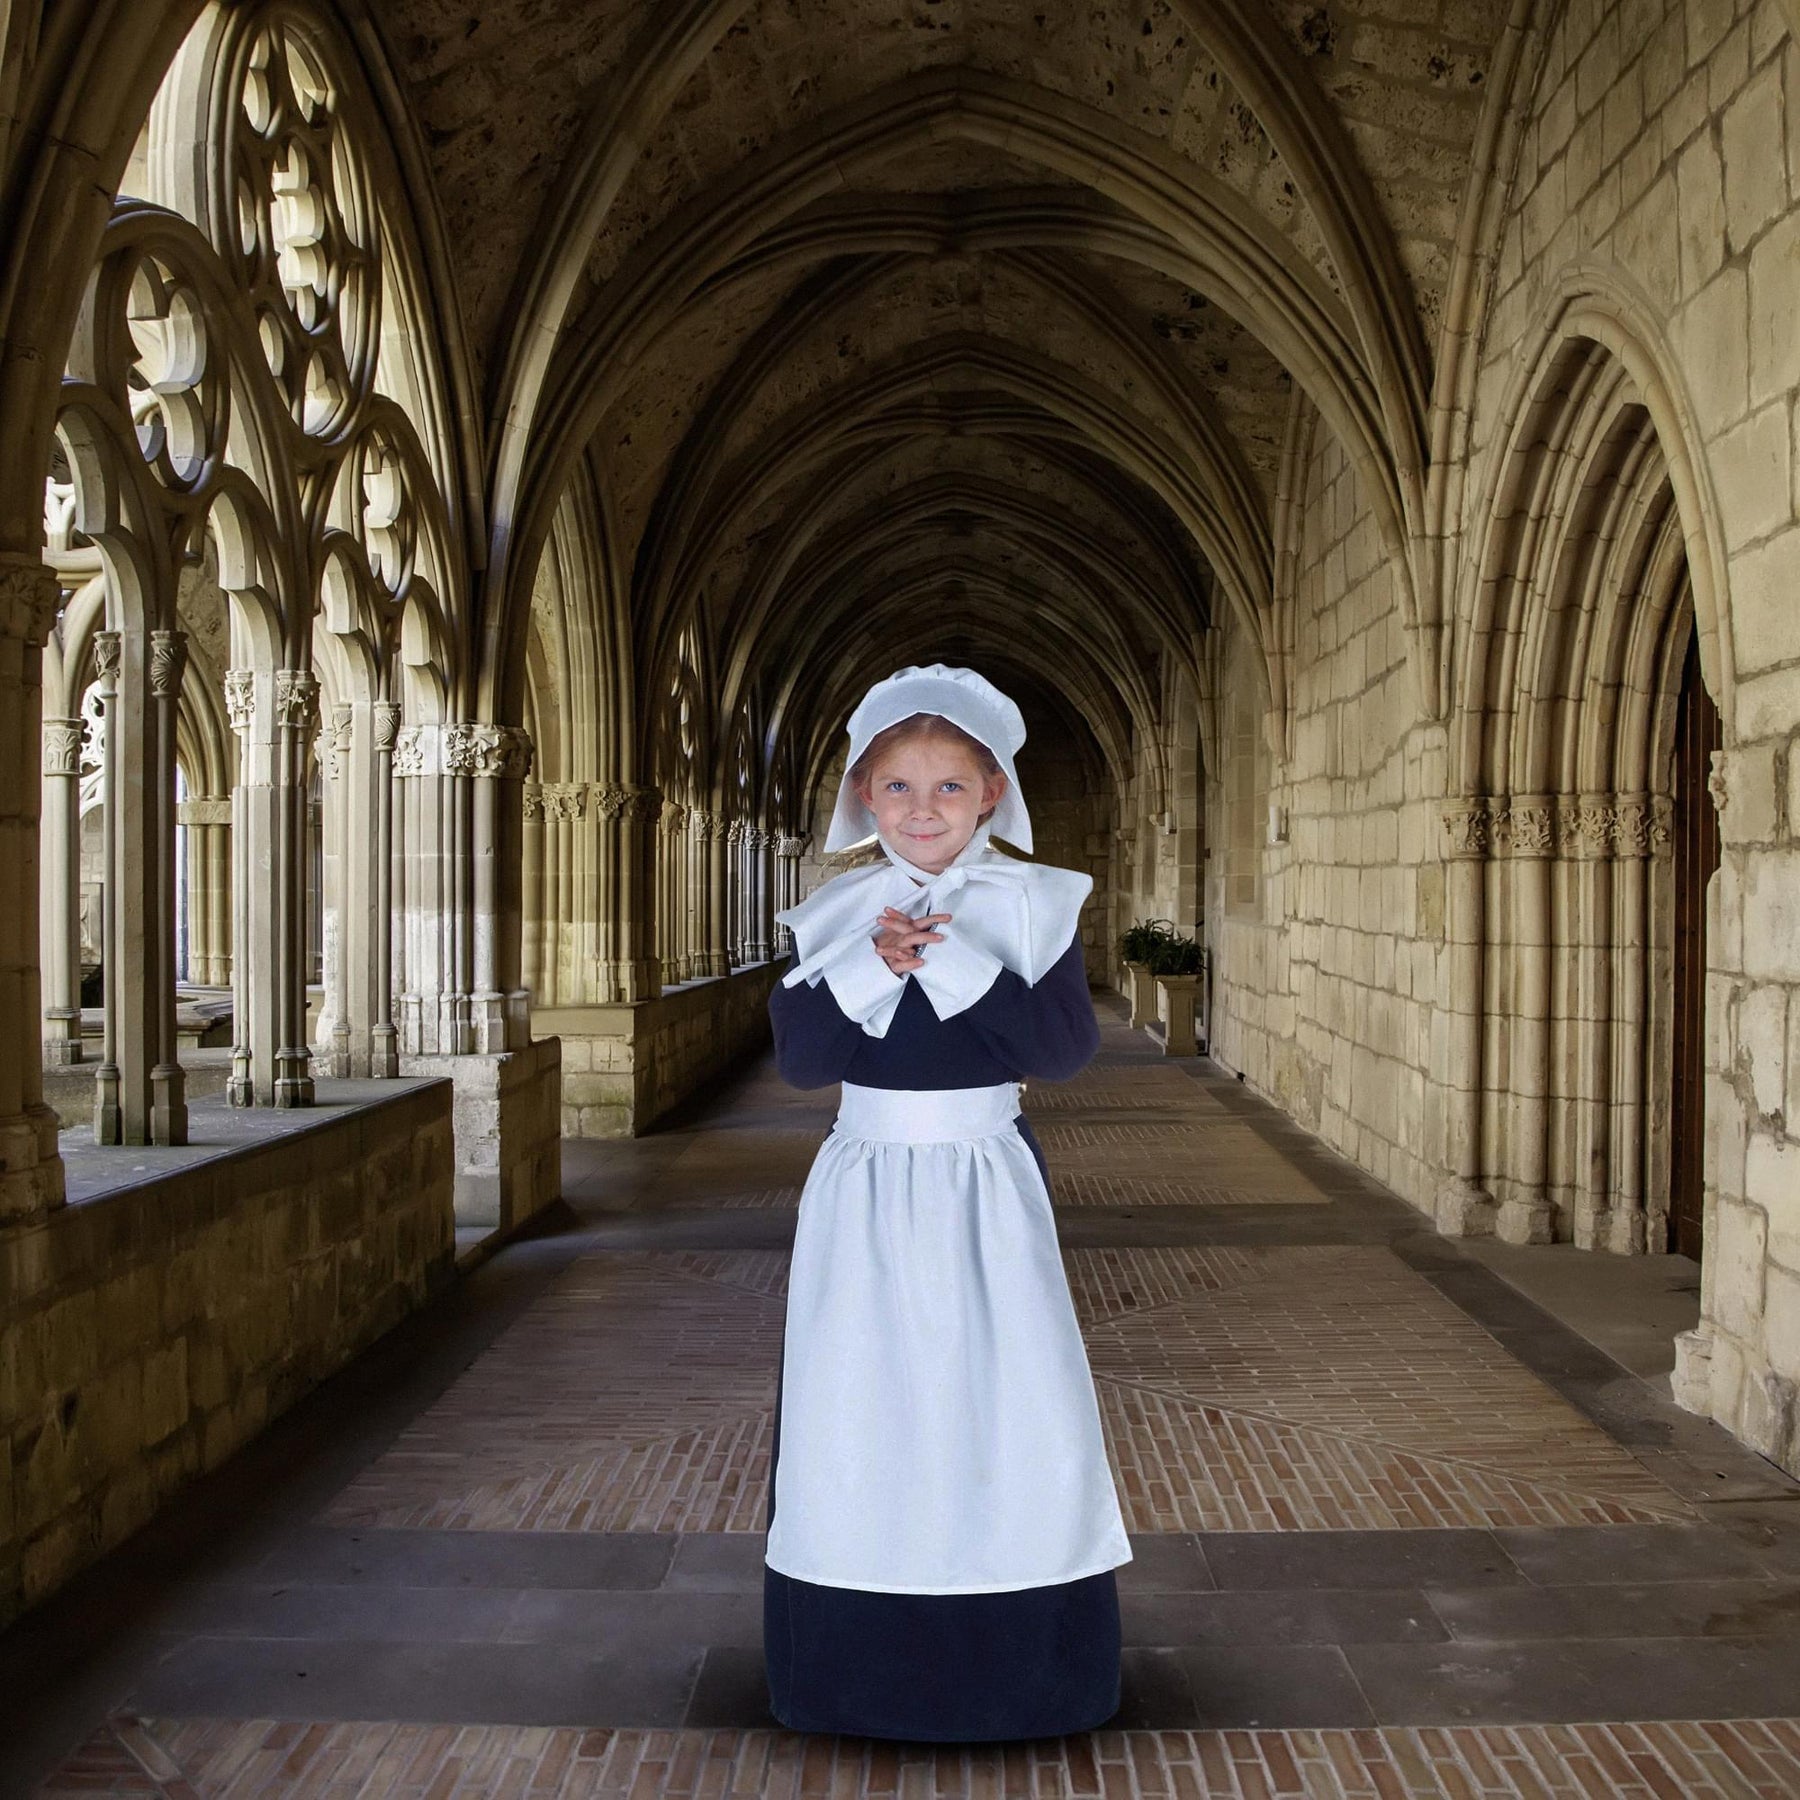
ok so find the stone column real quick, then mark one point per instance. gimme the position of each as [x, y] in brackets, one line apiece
[716, 870]
[208, 823]
[59, 892]
[168, 1085]
[384, 1038]
[31, 1171]
[737, 928]
[1639, 827]
[788, 851]
[1464, 1208]
[247, 705]
[531, 924]
[296, 722]
[108, 1119]
[494, 760]
[632, 874]
[1585, 834]
[336, 1039]
[762, 899]
[670, 893]
[1527, 1216]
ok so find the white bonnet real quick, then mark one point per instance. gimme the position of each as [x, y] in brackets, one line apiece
[965, 699]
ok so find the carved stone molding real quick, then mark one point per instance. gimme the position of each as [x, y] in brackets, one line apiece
[240, 698]
[30, 596]
[531, 801]
[1526, 831]
[487, 752]
[62, 746]
[703, 824]
[610, 800]
[1468, 824]
[168, 662]
[415, 751]
[792, 847]
[643, 803]
[1644, 825]
[674, 816]
[735, 831]
[107, 649]
[565, 800]
[335, 743]
[203, 812]
[296, 699]
[1718, 783]
[1588, 828]
[387, 724]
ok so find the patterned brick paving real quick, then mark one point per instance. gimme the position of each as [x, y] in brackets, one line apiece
[229, 1759]
[1275, 1389]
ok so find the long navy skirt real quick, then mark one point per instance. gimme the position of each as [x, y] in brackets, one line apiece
[948, 1668]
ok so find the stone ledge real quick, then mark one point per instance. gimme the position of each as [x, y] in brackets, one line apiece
[627, 1063]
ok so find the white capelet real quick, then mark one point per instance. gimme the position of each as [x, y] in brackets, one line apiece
[1007, 913]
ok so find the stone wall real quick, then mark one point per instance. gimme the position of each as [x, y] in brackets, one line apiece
[625, 1065]
[146, 1333]
[508, 1130]
[1327, 953]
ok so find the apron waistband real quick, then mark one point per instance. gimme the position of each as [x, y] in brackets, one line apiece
[926, 1115]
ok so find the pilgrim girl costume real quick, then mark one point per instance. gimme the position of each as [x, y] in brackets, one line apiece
[943, 1521]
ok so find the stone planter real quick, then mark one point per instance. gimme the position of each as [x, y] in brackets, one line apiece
[1177, 1009]
[1141, 992]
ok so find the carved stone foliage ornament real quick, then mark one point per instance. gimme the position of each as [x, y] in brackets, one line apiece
[1467, 824]
[107, 648]
[240, 698]
[62, 746]
[643, 803]
[489, 752]
[1718, 783]
[791, 846]
[168, 662]
[412, 752]
[532, 802]
[565, 801]
[296, 699]
[29, 597]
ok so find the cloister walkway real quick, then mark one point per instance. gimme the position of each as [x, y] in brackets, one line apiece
[1411, 1516]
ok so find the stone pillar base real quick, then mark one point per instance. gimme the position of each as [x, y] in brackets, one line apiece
[508, 1130]
[1464, 1210]
[1525, 1222]
[1690, 1381]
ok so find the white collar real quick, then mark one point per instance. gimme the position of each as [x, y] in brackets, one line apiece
[972, 851]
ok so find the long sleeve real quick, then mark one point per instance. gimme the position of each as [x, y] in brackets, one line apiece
[814, 1038]
[1048, 1030]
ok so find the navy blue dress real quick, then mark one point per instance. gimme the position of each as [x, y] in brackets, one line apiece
[1022, 1663]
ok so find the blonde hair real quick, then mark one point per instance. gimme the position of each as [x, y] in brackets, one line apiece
[921, 725]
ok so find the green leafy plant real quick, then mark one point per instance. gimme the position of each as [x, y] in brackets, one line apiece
[1139, 943]
[1176, 955]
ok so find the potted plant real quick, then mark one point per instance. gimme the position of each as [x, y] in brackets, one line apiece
[1137, 947]
[1176, 966]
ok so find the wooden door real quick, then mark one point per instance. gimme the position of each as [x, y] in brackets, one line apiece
[1696, 828]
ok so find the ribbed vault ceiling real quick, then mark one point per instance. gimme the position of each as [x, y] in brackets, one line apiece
[881, 321]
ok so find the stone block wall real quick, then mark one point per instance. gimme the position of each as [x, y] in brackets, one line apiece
[1325, 990]
[147, 1333]
[508, 1130]
[625, 1065]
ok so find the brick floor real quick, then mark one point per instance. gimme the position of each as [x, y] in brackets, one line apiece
[282, 1761]
[1287, 1389]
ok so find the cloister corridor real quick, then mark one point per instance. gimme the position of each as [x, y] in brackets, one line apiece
[461, 464]
[1399, 1510]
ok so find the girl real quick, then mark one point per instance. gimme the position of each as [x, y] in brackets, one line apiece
[943, 1524]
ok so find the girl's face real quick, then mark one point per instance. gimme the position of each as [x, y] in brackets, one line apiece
[928, 795]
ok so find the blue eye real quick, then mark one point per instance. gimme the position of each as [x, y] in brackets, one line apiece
[954, 787]
[893, 785]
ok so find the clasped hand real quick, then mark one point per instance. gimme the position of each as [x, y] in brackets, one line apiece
[900, 939]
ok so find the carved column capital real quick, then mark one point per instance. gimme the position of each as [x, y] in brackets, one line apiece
[793, 847]
[168, 663]
[30, 597]
[1525, 828]
[296, 699]
[532, 800]
[415, 751]
[335, 742]
[1588, 827]
[62, 746]
[386, 714]
[108, 647]
[610, 800]
[1718, 783]
[1468, 824]
[643, 802]
[487, 752]
[240, 698]
[565, 800]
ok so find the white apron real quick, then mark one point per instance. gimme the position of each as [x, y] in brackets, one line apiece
[939, 1431]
